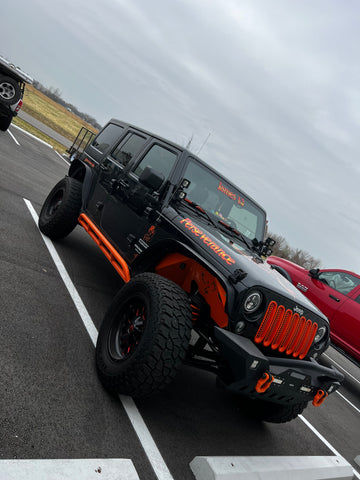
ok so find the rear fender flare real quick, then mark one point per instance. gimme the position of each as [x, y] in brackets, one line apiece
[84, 173]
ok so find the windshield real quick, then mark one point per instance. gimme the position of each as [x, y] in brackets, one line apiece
[224, 201]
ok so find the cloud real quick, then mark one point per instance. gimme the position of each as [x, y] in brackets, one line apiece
[268, 90]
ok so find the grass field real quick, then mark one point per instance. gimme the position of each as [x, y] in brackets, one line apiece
[51, 114]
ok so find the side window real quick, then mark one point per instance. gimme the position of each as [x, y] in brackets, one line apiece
[107, 137]
[129, 147]
[159, 158]
[340, 281]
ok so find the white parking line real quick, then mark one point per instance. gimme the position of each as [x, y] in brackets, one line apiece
[323, 439]
[62, 158]
[31, 135]
[12, 136]
[152, 452]
[348, 401]
[342, 368]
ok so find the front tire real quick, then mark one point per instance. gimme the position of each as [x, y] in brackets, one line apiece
[60, 212]
[144, 337]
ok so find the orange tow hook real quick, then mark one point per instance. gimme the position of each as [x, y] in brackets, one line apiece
[319, 398]
[264, 382]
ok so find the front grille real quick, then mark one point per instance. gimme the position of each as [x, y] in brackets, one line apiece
[286, 331]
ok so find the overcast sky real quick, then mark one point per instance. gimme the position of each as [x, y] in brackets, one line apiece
[271, 86]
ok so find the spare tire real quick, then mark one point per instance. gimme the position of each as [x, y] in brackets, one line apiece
[10, 91]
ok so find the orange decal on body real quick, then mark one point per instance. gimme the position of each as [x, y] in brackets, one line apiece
[149, 234]
[207, 240]
[92, 164]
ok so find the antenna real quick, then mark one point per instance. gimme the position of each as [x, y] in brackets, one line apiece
[206, 139]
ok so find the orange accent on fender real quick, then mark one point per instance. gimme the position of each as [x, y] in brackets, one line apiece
[319, 398]
[264, 382]
[183, 271]
[105, 246]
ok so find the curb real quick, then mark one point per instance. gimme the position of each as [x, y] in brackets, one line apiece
[271, 468]
[79, 469]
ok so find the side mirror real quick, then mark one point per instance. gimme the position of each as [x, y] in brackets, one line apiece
[151, 178]
[314, 272]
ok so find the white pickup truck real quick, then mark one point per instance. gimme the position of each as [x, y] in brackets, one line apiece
[12, 86]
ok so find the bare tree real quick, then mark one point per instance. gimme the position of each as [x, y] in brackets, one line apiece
[300, 257]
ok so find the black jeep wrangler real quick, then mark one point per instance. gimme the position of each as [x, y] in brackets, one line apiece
[189, 246]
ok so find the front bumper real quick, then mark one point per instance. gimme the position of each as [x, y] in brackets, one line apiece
[279, 380]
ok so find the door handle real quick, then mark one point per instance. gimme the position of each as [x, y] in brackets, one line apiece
[114, 185]
[334, 298]
[124, 184]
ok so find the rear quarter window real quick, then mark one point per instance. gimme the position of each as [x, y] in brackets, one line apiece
[107, 137]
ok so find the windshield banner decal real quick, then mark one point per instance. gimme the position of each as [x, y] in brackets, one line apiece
[232, 195]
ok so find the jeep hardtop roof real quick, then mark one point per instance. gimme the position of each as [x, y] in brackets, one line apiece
[186, 152]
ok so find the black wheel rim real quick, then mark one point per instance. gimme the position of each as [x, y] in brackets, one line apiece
[127, 329]
[55, 203]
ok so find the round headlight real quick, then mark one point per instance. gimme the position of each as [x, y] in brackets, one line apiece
[320, 334]
[252, 302]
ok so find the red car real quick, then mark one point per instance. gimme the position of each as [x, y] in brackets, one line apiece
[336, 293]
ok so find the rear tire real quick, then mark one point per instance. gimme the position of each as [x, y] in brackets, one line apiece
[60, 212]
[144, 336]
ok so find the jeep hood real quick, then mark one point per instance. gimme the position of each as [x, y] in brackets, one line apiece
[233, 254]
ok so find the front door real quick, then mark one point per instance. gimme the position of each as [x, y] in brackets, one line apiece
[124, 216]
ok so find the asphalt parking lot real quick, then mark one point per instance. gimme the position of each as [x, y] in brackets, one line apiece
[52, 405]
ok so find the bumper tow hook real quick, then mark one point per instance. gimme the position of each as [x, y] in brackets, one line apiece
[264, 382]
[319, 398]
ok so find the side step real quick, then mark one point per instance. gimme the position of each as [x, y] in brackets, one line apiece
[105, 246]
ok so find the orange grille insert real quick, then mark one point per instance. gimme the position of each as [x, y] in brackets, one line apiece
[286, 331]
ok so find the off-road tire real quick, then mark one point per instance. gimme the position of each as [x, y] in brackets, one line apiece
[5, 123]
[61, 209]
[144, 336]
[274, 412]
[10, 91]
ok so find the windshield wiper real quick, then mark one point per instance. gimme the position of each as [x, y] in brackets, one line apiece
[236, 233]
[197, 207]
